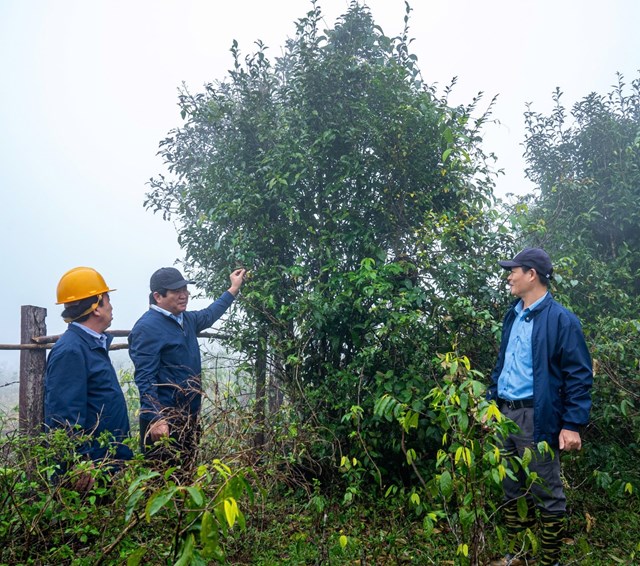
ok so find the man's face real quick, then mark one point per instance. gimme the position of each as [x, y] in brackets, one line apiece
[175, 301]
[521, 281]
[105, 311]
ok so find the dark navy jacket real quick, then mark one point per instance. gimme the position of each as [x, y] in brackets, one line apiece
[562, 371]
[167, 360]
[81, 387]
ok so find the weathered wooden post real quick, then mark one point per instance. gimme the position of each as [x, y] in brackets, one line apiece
[32, 368]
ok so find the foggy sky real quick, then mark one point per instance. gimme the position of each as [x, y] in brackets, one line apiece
[89, 89]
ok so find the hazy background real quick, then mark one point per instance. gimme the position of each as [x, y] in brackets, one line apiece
[89, 89]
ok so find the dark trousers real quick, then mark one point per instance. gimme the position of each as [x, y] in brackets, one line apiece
[548, 495]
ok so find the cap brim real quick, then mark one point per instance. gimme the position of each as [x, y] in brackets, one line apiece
[178, 285]
[508, 264]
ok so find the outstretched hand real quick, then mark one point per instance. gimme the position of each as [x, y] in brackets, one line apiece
[237, 278]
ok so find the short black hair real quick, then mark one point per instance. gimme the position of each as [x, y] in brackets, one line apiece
[75, 309]
[546, 281]
[152, 299]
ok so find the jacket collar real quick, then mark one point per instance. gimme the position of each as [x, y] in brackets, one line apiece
[90, 340]
[538, 308]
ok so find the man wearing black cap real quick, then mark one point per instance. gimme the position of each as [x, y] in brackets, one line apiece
[164, 348]
[542, 381]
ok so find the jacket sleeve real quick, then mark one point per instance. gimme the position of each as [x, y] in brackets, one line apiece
[577, 374]
[66, 384]
[492, 389]
[206, 317]
[144, 351]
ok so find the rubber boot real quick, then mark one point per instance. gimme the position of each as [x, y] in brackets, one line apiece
[553, 527]
[516, 526]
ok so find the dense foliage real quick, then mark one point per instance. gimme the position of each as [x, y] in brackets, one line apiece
[135, 515]
[362, 205]
[586, 168]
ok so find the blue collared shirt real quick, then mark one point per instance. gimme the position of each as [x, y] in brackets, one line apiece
[178, 318]
[516, 379]
[100, 338]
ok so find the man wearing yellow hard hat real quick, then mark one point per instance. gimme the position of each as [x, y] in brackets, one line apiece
[82, 393]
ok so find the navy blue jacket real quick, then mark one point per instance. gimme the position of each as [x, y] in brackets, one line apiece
[562, 371]
[167, 360]
[81, 388]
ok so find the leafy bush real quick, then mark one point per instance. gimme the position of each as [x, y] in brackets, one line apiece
[464, 485]
[135, 514]
[362, 205]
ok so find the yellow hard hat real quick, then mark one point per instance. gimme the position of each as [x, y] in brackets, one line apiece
[80, 283]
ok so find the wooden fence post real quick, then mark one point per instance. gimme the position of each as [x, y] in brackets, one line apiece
[32, 368]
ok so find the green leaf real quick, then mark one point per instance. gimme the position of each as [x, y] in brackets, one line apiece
[446, 484]
[428, 526]
[158, 500]
[467, 517]
[463, 421]
[410, 420]
[463, 549]
[141, 478]
[196, 494]
[186, 554]
[448, 135]
[136, 556]
[523, 508]
[131, 504]
[208, 530]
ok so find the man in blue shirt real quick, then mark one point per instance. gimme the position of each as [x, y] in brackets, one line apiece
[82, 393]
[164, 348]
[542, 381]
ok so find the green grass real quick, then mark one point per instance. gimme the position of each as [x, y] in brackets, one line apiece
[287, 530]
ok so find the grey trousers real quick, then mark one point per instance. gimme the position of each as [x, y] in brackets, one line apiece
[548, 495]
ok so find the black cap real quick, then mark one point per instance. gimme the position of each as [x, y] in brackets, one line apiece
[167, 278]
[531, 257]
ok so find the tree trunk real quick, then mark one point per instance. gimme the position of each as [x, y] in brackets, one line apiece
[261, 379]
